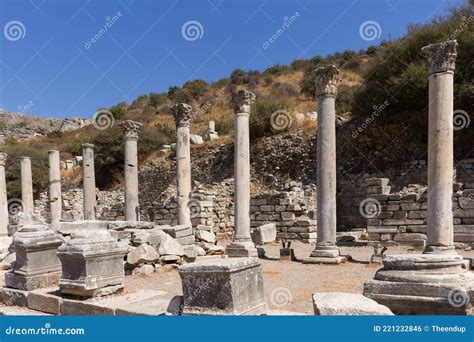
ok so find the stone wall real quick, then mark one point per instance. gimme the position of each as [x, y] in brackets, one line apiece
[292, 210]
[401, 217]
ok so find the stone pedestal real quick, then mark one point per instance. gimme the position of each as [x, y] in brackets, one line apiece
[183, 117]
[438, 281]
[36, 264]
[28, 206]
[423, 284]
[326, 250]
[88, 181]
[4, 217]
[55, 203]
[242, 244]
[223, 287]
[92, 264]
[131, 130]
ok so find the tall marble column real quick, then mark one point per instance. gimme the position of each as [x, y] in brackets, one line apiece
[326, 250]
[3, 197]
[436, 282]
[26, 187]
[55, 205]
[440, 233]
[88, 181]
[183, 114]
[242, 245]
[130, 131]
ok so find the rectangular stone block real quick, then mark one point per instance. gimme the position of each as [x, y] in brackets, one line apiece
[70, 307]
[231, 286]
[383, 190]
[410, 206]
[417, 214]
[382, 229]
[13, 297]
[45, 302]
[377, 181]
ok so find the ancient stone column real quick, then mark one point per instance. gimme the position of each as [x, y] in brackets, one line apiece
[130, 130]
[438, 281]
[326, 250]
[55, 204]
[183, 117]
[441, 58]
[242, 245]
[3, 197]
[88, 181]
[26, 187]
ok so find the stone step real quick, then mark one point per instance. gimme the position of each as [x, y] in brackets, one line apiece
[20, 311]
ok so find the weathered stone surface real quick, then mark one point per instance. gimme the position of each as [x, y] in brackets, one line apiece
[264, 234]
[346, 304]
[36, 264]
[14, 297]
[71, 307]
[421, 284]
[203, 235]
[143, 270]
[223, 287]
[168, 246]
[142, 254]
[92, 261]
[148, 236]
[45, 302]
[67, 228]
[196, 139]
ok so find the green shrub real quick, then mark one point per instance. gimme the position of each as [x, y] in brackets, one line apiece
[156, 100]
[178, 95]
[196, 88]
[118, 111]
[276, 69]
[284, 90]
[260, 123]
[55, 134]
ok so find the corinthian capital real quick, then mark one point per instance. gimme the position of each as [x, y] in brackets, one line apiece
[242, 101]
[3, 158]
[183, 114]
[130, 129]
[441, 56]
[326, 79]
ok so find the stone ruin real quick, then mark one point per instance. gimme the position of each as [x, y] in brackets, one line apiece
[90, 258]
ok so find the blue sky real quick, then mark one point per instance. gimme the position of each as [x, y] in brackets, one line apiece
[51, 67]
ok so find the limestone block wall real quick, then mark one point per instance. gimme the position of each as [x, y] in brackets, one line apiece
[293, 211]
[401, 217]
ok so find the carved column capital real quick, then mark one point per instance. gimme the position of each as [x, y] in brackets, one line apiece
[3, 158]
[242, 100]
[130, 129]
[183, 114]
[326, 79]
[441, 56]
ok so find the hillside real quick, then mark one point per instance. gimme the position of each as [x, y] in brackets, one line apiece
[382, 107]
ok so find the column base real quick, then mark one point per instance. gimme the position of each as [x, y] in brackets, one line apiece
[29, 283]
[423, 284]
[325, 254]
[239, 249]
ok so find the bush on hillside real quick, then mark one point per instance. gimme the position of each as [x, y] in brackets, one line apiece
[261, 118]
[195, 88]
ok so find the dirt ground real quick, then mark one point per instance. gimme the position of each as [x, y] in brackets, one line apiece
[290, 284]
